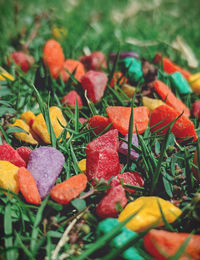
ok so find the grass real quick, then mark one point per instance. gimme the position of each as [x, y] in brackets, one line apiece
[34, 232]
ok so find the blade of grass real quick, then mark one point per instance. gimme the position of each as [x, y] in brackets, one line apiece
[181, 249]
[4, 134]
[23, 247]
[130, 131]
[44, 111]
[104, 239]
[76, 117]
[75, 161]
[188, 173]
[36, 224]
[113, 68]
[131, 125]
[133, 187]
[115, 253]
[91, 105]
[198, 156]
[10, 253]
[15, 129]
[167, 224]
[146, 154]
[117, 95]
[162, 152]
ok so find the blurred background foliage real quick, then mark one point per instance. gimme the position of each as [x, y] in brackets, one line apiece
[145, 26]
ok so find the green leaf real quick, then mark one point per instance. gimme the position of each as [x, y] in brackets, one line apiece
[79, 204]
[6, 110]
[55, 205]
[15, 129]
[157, 147]
[170, 140]
[56, 234]
[168, 187]
[5, 103]
[4, 92]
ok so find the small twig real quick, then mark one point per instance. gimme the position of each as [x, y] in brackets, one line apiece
[65, 237]
[34, 32]
[87, 194]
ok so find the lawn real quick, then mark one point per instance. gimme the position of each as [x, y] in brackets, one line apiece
[56, 231]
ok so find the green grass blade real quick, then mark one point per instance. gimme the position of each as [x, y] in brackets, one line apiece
[4, 134]
[36, 224]
[76, 117]
[181, 249]
[167, 224]
[115, 253]
[162, 152]
[104, 239]
[117, 95]
[45, 113]
[8, 230]
[188, 173]
[133, 187]
[113, 68]
[198, 156]
[91, 105]
[130, 131]
[23, 247]
[75, 161]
